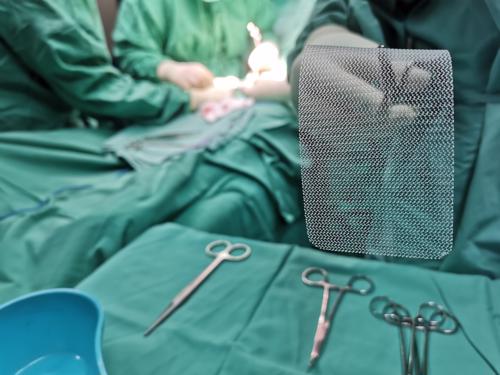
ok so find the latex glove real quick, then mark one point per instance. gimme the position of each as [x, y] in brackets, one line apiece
[268, 90]
[211, 94]
[212, 111]
[263, 57]
[186, 75]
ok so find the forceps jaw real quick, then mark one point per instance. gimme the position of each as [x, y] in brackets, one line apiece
[318, 343]
[322, 327]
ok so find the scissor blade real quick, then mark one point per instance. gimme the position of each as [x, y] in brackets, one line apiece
[169, 310]
[184, 294]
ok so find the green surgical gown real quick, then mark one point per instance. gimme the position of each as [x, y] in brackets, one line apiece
[470, 30]
[56, 71]
[213, 33]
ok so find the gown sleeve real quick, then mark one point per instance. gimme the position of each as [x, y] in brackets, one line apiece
[139, 36]
[72, 59]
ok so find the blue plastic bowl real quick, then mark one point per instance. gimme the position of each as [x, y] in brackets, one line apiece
[53, 332]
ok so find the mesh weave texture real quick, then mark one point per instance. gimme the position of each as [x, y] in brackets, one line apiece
[376, 134]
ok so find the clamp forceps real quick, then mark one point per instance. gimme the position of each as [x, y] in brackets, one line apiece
[357, 284]
[395, 314]
[431, 317]
[221, 250]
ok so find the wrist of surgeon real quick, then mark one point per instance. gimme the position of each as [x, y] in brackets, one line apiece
[263, 89]
[260, 90]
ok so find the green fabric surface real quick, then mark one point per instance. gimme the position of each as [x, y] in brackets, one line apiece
[59, 229]
[470, 30]
[212, 33]
[37, 165]
[257, 317]
[56, 71]
[146, 146]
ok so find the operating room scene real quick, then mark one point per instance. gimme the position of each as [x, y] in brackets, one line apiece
[247, 187]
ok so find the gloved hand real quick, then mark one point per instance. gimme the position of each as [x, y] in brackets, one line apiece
[186, 75]
[263, 57]
[211, 94]
[268, 90]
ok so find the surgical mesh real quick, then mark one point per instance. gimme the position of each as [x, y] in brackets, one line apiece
[376, 139]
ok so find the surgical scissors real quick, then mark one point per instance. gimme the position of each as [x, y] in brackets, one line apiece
[431, 317]
[221, 250]
[357, 284]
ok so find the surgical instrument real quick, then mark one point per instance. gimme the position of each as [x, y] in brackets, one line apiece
[431, 317]
[357, 284]
[398, 312]
[437, 320]
[221, 250]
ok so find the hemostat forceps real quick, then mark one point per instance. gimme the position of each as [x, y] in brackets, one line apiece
[357, 284]
[431, 317]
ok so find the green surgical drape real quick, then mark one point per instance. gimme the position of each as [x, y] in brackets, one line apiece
[257, 317]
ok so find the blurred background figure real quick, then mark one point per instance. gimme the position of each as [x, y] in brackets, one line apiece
[56, 71]
[190, 43]
[470, 31]
[231, 54]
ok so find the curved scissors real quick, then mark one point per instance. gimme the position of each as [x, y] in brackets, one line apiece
[357, 284]
[221, 250]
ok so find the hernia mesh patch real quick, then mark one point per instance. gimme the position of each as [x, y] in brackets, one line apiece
[376, 137]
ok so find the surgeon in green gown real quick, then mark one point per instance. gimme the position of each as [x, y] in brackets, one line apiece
[188, 43]
[470, 30]
[55, 71]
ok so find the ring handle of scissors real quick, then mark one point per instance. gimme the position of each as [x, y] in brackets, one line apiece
[427, 309]
[226, 249]
[397, 314]
[383, 308]
[428, 314]
[315, 270]
[377, 306]
[447, 318]
[360, 280]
